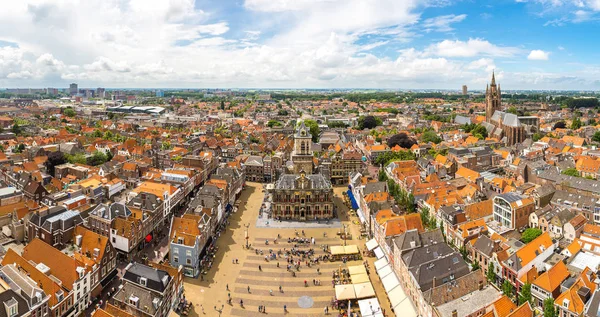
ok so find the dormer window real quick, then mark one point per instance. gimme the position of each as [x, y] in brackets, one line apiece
[143, 281]
[134, 300]
[12, 308]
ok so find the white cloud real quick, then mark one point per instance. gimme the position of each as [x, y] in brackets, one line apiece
[538, 55]
[470, 48]
[442, 23]
[295, 43]
[560, 48]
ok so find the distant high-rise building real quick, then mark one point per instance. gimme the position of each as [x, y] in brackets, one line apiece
[160, 93]
[100, 92]
[73, 89]
[464, 90]
[52, 91]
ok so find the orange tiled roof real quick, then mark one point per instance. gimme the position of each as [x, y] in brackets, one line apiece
[469, 174]
[504, 306]
[552, 278]
[61, 265]
[529, 252]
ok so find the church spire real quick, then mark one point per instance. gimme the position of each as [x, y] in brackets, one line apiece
[493, 79]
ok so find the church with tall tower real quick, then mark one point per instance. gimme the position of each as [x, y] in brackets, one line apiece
[302, 155]
[507, 127]
[493, 99]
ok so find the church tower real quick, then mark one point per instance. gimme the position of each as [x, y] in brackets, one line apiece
[302, 156]
[492, 99]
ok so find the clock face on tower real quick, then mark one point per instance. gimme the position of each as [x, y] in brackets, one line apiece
[303, 133]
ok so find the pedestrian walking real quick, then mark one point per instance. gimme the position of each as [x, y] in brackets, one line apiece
[285, 308]
[264, 309]
[259, 308]
[248, 289]
[280, 289]
[271, 292]
[260, 268]
[277, 264]
[227, 287]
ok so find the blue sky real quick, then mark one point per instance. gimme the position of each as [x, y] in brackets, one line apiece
[536, 44]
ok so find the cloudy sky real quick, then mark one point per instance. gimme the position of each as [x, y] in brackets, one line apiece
[531, 44]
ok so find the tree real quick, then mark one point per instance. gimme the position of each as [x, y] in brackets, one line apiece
[402, 139]
[19, 149]
[315, 131]
[525, 295]
[109, 156]
[571, 172]
[108, 135]
[475, 266]
[282, 112]
[368, 122]
[381, 175]
[430, 136]
[559, 125]
[97, 133]
[222, 105]
[491, 274]
[69, 112]
[530, 234]
[274, 123]
[166, 145]
[16, 129]
[537, 136]
[512, 110]
[76, 159]
[596, 136]
[549, 310]
[54, 159]
[98, 158]
[576, 124]
[507, 289]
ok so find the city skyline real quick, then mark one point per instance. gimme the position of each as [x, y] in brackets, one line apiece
[282, 44]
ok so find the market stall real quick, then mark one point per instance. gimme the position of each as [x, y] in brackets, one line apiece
[370, 307]
[379, 253]
[384, 271]
[364, 290]
[344, 292]
[371, 244]
[360, 278]
[380, 263]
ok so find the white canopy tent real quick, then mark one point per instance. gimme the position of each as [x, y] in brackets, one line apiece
[364, 290]
[390, 282]
[370, 307]
[380, 263]
[357, 269]
[378, 253]
[384, 271]
[371, 244]
[345, 292]
[396, 296]
[405, 308]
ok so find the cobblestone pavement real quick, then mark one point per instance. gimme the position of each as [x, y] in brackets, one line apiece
[209, 295]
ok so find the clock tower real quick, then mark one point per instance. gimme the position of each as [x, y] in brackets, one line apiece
[302, 155]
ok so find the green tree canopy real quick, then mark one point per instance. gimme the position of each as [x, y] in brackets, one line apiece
[69, 112]
[571, 172]
[368, 122]
[549, 310]
[431, 136]
[315, 131]
[525, 295]
[274, 123]
[530, 234]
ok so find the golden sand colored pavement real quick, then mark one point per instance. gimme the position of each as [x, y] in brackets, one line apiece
[211, 292]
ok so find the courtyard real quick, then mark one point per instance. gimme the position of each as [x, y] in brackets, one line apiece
[236, 269]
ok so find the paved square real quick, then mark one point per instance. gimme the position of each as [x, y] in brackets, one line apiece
[226, 278]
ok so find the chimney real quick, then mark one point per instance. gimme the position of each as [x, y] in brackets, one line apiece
[454, 313]
[434, 280]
